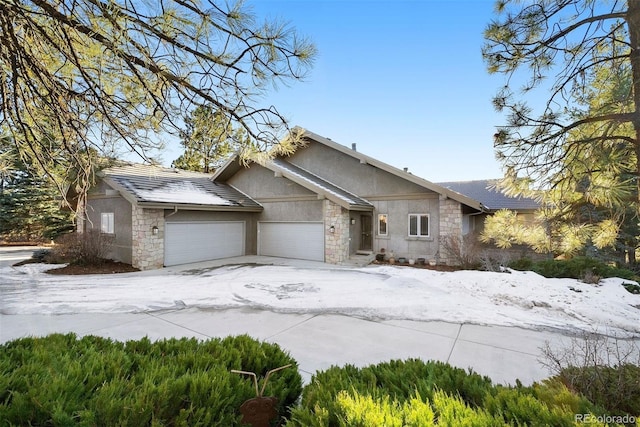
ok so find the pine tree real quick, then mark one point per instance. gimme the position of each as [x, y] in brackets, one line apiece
[208, 140]
[31, 208]
[577, 146]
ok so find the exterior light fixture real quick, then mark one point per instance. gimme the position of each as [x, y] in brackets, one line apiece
[332, 229]
[353, 221]
[154, 230]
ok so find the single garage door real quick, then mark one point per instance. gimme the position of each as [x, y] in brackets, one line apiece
[186, 242]
[302, 240]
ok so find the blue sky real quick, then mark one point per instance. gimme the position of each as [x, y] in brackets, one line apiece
[402, 79]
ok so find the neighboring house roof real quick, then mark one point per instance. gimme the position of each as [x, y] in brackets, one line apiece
[233, 165]
[485, 192]
[156, 186]
[319, 185]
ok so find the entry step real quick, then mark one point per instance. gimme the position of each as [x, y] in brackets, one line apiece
[364, 252]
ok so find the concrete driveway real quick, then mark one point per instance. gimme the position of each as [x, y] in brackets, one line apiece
[10, 255]
[316, 341]
[320, 341]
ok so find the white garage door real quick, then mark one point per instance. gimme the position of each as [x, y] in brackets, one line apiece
[186, 242]
[302, 240]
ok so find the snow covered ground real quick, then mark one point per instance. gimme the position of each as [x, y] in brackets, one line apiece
[522, 299]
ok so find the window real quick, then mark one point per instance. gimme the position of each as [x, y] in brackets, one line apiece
[106, 222]
[382, 224]
[418, 225]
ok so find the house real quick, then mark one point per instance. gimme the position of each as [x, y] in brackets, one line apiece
[492, 200]
[326, 202]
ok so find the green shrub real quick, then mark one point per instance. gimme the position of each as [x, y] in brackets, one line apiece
[65, 380]
[575, 268]
[416, 393]
[357, 410]
[522, 264]
[632, 288]
[522, 406]
[400, 380]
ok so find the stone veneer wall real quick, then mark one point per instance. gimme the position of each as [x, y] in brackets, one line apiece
[147, 248]
[450, 226]
[336, 244]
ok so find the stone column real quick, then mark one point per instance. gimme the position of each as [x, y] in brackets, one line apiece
[336, 244]
[147, 248]
[450, 226]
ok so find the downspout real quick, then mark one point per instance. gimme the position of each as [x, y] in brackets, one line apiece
[175, 211]
[483, 210]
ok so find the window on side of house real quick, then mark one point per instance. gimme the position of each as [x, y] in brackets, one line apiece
[418, 225]
[382, 224]
[106, 222]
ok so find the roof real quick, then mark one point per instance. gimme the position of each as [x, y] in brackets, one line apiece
[156, 186]
[234, 165]
[485, 192]
[319, 185]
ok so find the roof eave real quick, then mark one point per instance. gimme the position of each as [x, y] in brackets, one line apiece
[227, 170]
[196, 207]
[361, 208]
[517, 210]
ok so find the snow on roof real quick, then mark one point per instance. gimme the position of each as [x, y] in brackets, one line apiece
[181, 192]
[155, 184]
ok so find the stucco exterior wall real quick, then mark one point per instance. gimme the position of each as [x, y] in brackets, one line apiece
[347, 172]
[103, 201]
[397, 240]
[282, 199]
[260, 183]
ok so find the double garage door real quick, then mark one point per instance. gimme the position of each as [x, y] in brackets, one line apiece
[302, 240]
[187, 242]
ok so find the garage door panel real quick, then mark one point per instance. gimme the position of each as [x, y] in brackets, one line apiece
[187, 242]
[301, 240]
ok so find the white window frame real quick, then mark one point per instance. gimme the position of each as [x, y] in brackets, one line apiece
[418, 219]
[386, 223]
[107, 223]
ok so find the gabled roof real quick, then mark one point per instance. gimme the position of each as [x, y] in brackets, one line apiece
[160, 187]
[318, 185]
[234, 165]
[485, 192]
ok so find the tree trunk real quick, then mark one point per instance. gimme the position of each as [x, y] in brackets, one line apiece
[632, 257]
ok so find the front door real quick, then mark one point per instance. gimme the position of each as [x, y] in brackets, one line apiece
[366, 241]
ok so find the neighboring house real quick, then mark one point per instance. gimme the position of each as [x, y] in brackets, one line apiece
[326, 202]
[492, 200]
